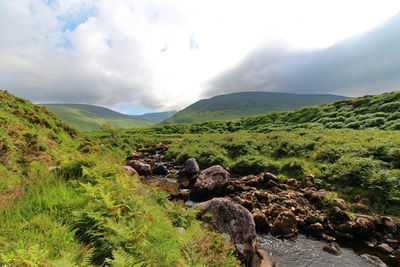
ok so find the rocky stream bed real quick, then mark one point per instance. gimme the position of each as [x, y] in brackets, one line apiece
[270, 221]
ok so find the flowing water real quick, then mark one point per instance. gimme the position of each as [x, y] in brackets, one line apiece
[308, 252]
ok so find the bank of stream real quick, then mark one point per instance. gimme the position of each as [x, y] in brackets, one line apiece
[351, 239]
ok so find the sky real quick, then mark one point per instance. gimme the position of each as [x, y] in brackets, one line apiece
[144, 56]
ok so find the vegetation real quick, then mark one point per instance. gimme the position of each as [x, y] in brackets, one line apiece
[66, 202]
[244, 104]
[89, 117]
[362, 163]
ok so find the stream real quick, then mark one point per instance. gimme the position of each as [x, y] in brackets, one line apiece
[307, 252]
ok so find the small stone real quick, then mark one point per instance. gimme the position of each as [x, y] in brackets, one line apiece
[366, 201]
[334, 249]
[374, 260]
[141, 167]
[341, 203]
[285, 224]
[261, 221]
[181, 230]
[191, 166]
[385, 248]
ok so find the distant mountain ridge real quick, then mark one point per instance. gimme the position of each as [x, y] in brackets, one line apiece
[90, 117]
[245, 104]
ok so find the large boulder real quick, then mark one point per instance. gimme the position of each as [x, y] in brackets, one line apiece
[285, 224]
[209, 183]
[141, 167]
[191, 166]
[235, 222]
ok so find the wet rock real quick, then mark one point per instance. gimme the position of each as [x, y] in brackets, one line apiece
[261, 221]
[385, 248]
[374, 260]
[130, 171]
[160, 169]
[336, 215]
[234, 220]
[341, 203]
[183, 194]
[173, 176]
[140, 167]
[328, 238]
[333, 249]
[191, 166]
[170, 187]
[184, 182]
[315, 229]
[260, 259]
[285, 224]
[209, 183]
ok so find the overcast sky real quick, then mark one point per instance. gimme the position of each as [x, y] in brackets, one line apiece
[140, 56]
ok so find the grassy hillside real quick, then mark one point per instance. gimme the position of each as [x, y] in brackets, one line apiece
[371, 111]
[65, 202]
[89, 117]
[351, 144]
[245, 104]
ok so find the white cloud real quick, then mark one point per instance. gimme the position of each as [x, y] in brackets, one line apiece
[110, 52]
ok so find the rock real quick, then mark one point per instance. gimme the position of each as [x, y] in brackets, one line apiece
[209, 183]
[170, 187]
[140, 167]
[260, 259]
[363, 228]
[234, 220]
[160, 169]
[183, 194]
[374, 260]
[292, 182]
[318, 196]
[333, 249]
[336, 215]
[315, 229]
[341, 203]
[387, 224]
[285, 224]
[172, 176]
[261, 221]
[366, 201]
[130, 171]
[191, 166]
[181, 230]
[184, 182]
[248, 204]
[357, 198]
[385, 248]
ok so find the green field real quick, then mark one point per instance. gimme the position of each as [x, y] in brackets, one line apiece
[245, 104]
[89, 117]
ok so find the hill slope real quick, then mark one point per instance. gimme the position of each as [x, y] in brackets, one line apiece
[245, 104]
[69, 204]
[90, 117]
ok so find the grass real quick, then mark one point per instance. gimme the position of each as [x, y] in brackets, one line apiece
[84, 210]
[245, 104]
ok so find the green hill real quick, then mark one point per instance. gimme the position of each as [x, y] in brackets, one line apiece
[90, 117]
[245, 104]
[371, 111]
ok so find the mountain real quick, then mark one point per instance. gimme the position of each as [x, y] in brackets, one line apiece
[90, 117]
[245, 104]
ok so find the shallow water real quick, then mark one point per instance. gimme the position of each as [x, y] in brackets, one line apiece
[305, 251]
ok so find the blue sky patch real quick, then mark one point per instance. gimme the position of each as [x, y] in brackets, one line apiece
[72, 20]
[132, 110]
[192, 42]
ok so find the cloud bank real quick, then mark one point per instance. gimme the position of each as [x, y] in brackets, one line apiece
[364, 64]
